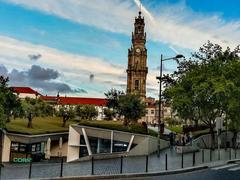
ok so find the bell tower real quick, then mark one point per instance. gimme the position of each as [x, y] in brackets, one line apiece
[137, 60]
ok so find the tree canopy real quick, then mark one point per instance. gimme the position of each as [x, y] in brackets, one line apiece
[9, 103]
[112, 97]
[131, 107]
[66, 113]
[35, 108]
[206, 86]
[87, 112]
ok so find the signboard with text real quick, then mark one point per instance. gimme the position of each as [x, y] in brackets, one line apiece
[20, 157]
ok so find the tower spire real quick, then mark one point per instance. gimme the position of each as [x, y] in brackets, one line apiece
[137, 59]
[140, 8]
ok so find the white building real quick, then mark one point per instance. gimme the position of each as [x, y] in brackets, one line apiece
[23, 92]
[98, 103]
[85, 142]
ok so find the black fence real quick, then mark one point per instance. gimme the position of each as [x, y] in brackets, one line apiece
[168, 160]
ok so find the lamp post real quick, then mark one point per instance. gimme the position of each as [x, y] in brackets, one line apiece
[160, 94]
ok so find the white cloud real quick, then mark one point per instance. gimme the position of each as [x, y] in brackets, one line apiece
[74, 68]
[11, 49]
[176, 25]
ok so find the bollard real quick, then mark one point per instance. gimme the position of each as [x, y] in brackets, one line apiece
[92, 165]
[61, 170]
[146, 163]
[218, 154]
[193, 162]
[230, 154]
[121, 165]
[166, 168]
[235, 152]
[203, 156]
[210, 155]
[30, 170]
[182, 160]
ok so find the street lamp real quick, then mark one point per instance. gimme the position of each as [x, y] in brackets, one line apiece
[160, 94]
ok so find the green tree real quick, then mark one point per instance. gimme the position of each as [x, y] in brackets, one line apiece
[203, 88]
[131, 107]
[2, 118]
[34, 108]
[9, 103]
[87, 112]
[232, 104]
[109, 113]
[66, 113]
[112, 97]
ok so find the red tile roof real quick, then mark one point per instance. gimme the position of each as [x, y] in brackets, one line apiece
[49, 98]
[26, 90]
[76, 100]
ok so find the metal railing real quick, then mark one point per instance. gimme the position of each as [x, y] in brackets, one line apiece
[169, 160]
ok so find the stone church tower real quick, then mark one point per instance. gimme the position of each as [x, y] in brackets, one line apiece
[137, 60]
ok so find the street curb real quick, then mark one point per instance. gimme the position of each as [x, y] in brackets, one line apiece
[131, 175]
[233, 161]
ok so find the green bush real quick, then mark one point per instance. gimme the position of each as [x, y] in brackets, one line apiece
[116, 125]
[152, 132]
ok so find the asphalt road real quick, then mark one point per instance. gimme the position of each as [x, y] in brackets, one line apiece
[224, 172]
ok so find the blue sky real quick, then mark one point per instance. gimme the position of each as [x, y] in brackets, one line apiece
[83, 44]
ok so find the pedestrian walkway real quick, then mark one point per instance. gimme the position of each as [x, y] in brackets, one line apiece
[229, 167]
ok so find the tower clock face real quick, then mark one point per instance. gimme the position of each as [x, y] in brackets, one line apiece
[138, 50]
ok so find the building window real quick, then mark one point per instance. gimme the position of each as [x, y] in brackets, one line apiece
[14, 146]
[137, 84]
[152, 111]
[22, 148]
[25, 148]
[33, 147]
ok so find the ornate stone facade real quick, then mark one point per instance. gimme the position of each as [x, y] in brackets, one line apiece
[137, 60]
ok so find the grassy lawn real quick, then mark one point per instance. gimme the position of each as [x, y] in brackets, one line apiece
[41, 125]
[177, 129]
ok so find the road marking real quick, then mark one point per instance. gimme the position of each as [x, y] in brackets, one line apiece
[234, 169]
[223, 167]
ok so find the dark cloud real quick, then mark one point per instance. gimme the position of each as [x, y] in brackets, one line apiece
[3, 70]
[91, 77]
[39, 73]
[41, 78]
[18, 76]
[34, 57]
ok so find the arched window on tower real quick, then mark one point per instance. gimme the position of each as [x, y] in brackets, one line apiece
[137, 84]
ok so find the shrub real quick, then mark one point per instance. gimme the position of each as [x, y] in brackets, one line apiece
[115, 125]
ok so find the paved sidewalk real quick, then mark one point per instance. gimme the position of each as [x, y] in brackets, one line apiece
[112, 166]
